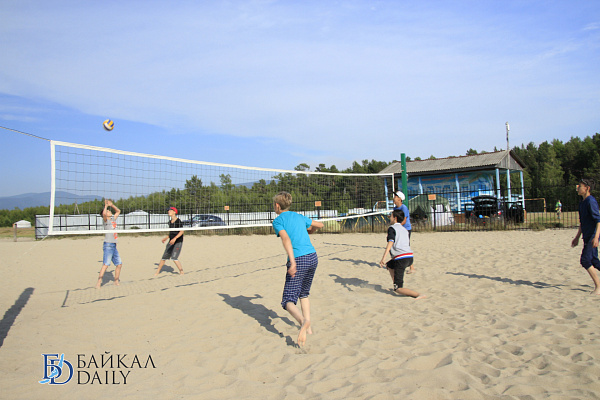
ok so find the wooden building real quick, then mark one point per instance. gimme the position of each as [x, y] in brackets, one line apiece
[461, 178]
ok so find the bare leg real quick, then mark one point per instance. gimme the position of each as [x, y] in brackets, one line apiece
[304, 324]
[102, 271]
[391, 274]
[409, 292]
[594, 276]
[160, 265]
[117, 274]
[179, 266]
[305, 304]
[412, 269]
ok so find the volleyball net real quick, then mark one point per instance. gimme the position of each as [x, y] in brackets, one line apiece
[206, 195]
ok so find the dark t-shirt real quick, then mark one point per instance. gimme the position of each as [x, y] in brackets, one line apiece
[172, 234]
[588, 217]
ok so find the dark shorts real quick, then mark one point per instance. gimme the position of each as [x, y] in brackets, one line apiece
[589, 255]
[399, 266]
[172, 251]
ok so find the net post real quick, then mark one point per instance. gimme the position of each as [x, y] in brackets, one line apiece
[404, 176]
[52, 186]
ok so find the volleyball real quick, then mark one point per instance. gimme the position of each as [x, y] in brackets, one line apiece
[108, 125]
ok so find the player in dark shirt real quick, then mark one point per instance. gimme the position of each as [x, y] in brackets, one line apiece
[175, 243]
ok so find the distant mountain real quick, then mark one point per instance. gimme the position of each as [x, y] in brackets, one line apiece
[41, 199]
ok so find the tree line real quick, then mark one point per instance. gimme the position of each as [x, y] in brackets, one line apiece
[196, 197]
[551, 171]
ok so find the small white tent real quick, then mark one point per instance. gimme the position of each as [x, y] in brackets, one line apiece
[22, 224]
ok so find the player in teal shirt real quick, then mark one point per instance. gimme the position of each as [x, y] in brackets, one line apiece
[293, 229]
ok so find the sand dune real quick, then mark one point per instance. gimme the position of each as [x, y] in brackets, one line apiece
[508, 316]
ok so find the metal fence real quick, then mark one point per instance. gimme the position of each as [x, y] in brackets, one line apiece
[480, 209]
[470, 209]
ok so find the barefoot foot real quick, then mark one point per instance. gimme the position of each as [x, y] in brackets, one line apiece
[302, 335]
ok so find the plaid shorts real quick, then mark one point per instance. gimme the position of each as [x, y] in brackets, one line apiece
[299, 286]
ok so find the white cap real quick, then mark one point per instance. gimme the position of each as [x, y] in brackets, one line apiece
[400, 194]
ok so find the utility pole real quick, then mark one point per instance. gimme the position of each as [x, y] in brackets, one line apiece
[507, 131]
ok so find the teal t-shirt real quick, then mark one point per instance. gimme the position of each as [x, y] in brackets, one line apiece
[295, 226]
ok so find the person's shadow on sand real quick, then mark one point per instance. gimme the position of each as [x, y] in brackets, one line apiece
[13, 312]
[108, 277]
[260, 313]
[538, 285]
[356, 262]
[167, 268]
[349, 283]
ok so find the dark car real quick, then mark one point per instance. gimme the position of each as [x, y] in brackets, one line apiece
[515, 213]
[486, 208]
[200, 220]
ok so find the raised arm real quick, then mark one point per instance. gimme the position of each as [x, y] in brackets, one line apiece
[104, 217]
[117, 211]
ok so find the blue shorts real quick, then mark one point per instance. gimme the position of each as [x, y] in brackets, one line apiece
[589, 255]
[299, 286]
[111, 253]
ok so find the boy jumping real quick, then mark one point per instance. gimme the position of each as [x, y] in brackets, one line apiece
[293, 229]
[109, 249]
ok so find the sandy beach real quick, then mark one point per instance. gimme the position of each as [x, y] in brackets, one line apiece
[508, 316]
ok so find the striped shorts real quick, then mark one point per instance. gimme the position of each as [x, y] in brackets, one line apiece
[299, 286]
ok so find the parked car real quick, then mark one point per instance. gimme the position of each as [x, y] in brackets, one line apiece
[485, 209]
[200, 220]
[516, 213]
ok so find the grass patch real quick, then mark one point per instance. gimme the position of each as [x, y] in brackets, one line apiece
[9, 233]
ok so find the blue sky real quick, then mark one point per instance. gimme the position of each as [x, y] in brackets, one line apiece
[278, 83]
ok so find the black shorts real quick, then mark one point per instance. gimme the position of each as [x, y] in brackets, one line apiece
[399, 266]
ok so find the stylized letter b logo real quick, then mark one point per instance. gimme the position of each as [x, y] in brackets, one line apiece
[53, 369]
